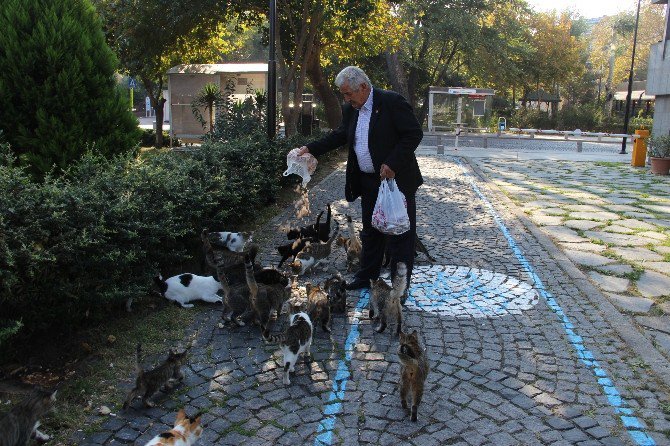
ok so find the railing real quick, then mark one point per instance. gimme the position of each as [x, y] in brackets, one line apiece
[514, 133]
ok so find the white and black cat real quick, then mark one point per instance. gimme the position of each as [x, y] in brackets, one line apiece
[233, 241]
[20, 423]
[185, 288]
[295, 340]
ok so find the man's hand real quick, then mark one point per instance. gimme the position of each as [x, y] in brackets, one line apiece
[303, 150]
[386, 172]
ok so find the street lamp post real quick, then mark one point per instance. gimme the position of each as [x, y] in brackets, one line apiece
[272, 74]
[630, 83]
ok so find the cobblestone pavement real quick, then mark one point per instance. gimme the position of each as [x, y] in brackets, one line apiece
[519, 354]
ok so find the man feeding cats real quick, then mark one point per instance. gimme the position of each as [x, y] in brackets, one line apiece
[382, 133]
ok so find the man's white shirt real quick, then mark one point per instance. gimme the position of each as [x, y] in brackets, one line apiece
[361, 138]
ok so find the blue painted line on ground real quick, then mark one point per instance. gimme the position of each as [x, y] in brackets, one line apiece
[324, 433]
[632, 424]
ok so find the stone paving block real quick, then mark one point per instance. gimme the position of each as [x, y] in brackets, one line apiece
[597, 216]
[588, 258]
[610, 283]
[660, 323]
[634, 304]
[637, 254]
[563, 234]
[617, 239]
[617, 269]
[653, 284]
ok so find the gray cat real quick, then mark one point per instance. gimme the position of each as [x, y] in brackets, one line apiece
[20, 424]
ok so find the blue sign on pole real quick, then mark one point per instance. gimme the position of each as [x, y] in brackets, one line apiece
[132, 83]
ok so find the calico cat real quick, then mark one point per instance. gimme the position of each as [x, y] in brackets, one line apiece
[20, 423]
[297, 339]
[318, 307]
[292, 249]
[336, 289]
[313, 254]
[232, 241]
[163, 376]
[385, 300]
[413, 370]
[265, 299]
[188, 287]
[318, 231]
[186, 432]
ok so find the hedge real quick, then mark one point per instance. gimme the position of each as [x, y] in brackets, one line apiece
[75, 247]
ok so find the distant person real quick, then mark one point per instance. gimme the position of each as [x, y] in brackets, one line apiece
[382, 133]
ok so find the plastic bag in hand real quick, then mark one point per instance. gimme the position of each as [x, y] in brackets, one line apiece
[390, 213]
[303, 165]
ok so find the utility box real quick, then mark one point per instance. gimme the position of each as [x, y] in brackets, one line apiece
[639, 158]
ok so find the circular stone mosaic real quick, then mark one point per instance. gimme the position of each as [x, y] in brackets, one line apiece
[459, 291]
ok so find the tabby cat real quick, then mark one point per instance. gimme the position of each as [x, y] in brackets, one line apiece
[385, 300]
[216, 256]
[353, 247]
[335, 286]
[264, 299]
[314, 254]
[235, 299]
[318, 306]
[413, 370]
[164, 376]
[20, 423]
[297, 339]
[186, 432]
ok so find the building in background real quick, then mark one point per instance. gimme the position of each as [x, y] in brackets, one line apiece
[658, 78]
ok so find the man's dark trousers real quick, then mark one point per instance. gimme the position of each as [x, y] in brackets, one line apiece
[400, 247]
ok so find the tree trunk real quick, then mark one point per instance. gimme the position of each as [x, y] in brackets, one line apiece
[322, 88]
[157, 103]
[396, 74]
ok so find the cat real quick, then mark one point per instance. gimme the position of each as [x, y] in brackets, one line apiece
[233, 241]
[419, 247]
[414, 370]
[318, 231]
[264, 299]
[352, 246]
[313, 254]
[336, 289]
[21, 422]
[385, 300]
[295, 340]
[235, 299]
[292, 249]
[188, 287]
[164, 376]
[318, 306]
[186, 432]
[216, 255]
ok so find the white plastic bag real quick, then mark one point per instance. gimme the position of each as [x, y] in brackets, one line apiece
[390, 213]
[303, 165]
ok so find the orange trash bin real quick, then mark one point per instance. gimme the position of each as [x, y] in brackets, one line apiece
[639, 158]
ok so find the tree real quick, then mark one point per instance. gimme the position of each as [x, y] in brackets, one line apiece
[151, 36]
[57, 87]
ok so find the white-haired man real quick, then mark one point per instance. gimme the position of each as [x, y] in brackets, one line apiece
[382, 134]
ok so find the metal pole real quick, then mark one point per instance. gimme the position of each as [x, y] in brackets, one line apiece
[630, 83]
[272, 74]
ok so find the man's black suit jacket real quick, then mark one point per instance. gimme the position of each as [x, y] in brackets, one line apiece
[393, 137]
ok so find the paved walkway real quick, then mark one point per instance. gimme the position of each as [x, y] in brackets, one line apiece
[522, 351]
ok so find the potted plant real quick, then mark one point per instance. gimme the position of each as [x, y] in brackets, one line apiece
[659, 154]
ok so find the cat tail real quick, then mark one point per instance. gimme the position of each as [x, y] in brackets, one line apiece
[274, 339]
[336, 231]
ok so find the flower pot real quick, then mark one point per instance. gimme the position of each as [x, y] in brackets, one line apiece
[660, 166]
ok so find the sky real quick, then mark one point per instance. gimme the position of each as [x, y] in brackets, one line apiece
[586, 8]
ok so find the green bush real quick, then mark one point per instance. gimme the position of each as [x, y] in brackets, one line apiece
[57, 87]
[80, 244]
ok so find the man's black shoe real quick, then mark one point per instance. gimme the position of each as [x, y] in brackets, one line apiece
[357, 284]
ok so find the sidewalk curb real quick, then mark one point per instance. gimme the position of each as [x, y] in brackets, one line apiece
[620, 322]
